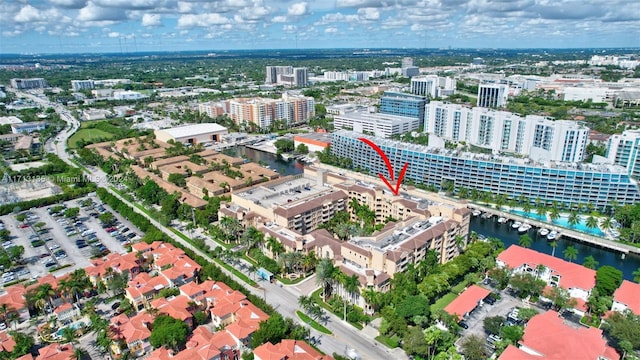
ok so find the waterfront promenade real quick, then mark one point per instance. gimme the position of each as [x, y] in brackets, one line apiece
[577, 235]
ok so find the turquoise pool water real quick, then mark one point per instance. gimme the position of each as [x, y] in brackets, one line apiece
[581, 226]
[74, 326]
[530, 215]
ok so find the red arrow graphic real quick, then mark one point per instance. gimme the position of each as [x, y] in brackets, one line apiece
[395, 189]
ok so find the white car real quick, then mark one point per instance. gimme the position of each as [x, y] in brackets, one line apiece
[3, 326]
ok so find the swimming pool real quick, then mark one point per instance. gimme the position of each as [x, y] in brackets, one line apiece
[530, 215]
[74, 326]
[581, 226]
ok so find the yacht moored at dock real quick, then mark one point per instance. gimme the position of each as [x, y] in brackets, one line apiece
[502, 220]
[543, 231]
[553, 235]
[516, 224]
[524, 228]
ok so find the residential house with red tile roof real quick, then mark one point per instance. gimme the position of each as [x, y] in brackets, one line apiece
[66, 313]
[100, 269]
[15, 301]
[7, 343]
[143, 288]
[467, 301]
[547, 336]
[134, 333]
[178, 307]
[202, 345]
[627, 297]
[56, 352]
[25, 357]
[575, 278]
[181, 271]
[288, 350]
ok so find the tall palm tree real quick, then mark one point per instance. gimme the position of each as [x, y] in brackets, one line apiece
[526, 207]
[553, 245]
[525, 241]
[309, 261]
[68, 335]
[590, 262]
[606, 223]
[13, 318]
[275, 246]
[554, 213]
[4, 309]
[304, 302]
[325, 275]
[592, 221]
[570, 253]
[79, 353]
[573, 219]
[230, 227]
[351, 286]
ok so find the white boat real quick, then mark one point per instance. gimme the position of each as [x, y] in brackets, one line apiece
[544, 231]
[552, 235]
[502, 220]
[516, 224]
[524, 228]
[476, 212]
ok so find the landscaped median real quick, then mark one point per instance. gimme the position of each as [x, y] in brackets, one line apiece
[314, 324]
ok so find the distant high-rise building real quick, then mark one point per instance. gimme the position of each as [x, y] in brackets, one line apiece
[31, 83]
[300, 76]
[433, 86]
[274, 73]
[492, 95]
[77, 85]
[394, 103]
[407, 62]
[261, 112]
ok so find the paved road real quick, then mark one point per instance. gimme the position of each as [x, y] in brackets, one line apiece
[283, 299]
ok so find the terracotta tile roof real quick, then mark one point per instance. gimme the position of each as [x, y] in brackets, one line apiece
[47, 279]
[288, 350]
[6, 342]
[177, 307]
[14, 297]
[145, 284]
[132, 329]
[62, 308]
[241, 330]
[55, 352]
[467, 301]
[513, 353]
[27, 356]
[629, 294]
[547, 335]
[192, 290]
[571, 275]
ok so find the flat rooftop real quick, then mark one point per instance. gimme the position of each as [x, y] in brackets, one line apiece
[393, 239]
[194, 130]
[324, 137]
[374, 117]
[284, 192]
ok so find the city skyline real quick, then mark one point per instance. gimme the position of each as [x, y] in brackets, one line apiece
[72, 26]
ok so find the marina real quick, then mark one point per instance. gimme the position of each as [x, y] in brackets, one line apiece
[557, 230]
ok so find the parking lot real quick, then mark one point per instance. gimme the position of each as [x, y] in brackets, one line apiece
[52, 239]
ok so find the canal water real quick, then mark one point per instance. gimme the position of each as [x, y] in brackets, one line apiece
[510, 236]
[284, 167]
[486, 227]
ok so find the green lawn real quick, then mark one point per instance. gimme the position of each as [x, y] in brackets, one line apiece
[314, 324]
[443, 302]
[390, 342]
[88, 135]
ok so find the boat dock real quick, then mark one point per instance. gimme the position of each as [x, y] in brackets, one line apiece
[578, 236]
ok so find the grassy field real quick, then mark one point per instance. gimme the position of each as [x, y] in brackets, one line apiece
[87, 134]
[443, 302]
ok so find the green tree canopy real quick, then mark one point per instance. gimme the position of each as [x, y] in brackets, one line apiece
[271, 330]
[493, 324]
[608, 279]
[169, 332]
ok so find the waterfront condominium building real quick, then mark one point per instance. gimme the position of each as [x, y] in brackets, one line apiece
[569, 184]
[538, 137]
[381, 125]
[433, 86]
[77, 85]
[395, 103]
[492, 95]
[624, 150]
[31, 83]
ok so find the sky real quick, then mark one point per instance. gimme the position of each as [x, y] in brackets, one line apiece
[98, 26]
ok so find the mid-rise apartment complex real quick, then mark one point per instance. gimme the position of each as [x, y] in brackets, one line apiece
[381, 125]
[568, 184]
[30, 83]
[77, 85]
[433, 86]
[492, 95]
[262, 112]
[409, 105]
[535, 136]
[287, 75]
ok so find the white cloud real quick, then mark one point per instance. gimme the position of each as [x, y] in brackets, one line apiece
[114, 34]
[151, 20]
[72, 4]
[369, 14]
[201, 20]
[28, 14]
[95, 13]
[289, 28]
[331, 29]
[298, 9]
[279, 19]
[127, 4]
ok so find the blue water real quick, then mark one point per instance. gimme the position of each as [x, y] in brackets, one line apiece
[73, 326]
[530, 215]
[581, 226]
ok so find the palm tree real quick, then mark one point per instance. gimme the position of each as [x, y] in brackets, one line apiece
[554, 213]
[525, 241]
[275, 247]
[351, 285]
[590, 262]
[13, 318]
[553, 245]
[309, 261]
[526, 207]
[230, 227]
[592, 221]
[68, 335]
[252, 271]
[636, 275]
[325, 274]
[541, 211]
[570, 253]
[573, 219]
[4, 309]
[304, 302]
[606, 223]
